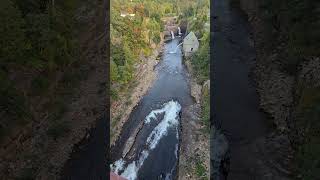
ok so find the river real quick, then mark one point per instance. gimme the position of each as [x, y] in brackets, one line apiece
[149, 142]
[235, 99]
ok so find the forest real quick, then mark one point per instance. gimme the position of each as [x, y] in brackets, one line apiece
[296, 22]
[140, 29]
[41, 66]
[133, 37]
[295, 25]
[199, 23]
[37, 43]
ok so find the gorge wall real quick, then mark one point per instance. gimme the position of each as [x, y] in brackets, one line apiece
[288, 85]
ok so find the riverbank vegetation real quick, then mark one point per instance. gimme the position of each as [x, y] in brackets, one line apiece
[37, 43]
[201, 171]
[295, 25]
[307, 155]
[43, 60]
[201, 59]
[198, 20]
[136, 36]
[197, 17]
[136, 29]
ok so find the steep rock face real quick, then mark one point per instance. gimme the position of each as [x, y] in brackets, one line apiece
[195, 88]
[280, 92]
[274, 86]
[275, 89]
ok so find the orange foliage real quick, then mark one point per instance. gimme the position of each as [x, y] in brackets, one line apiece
[139, 9]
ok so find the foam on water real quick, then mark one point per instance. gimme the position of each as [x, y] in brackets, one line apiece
[117, 166]
[169, 106]
[132, 169]
[170, 119]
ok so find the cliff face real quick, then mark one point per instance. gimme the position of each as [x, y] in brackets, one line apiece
[285, 95]
[275, 87]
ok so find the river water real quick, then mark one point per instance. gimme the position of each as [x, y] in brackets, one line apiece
[149, 142]
[235, 99]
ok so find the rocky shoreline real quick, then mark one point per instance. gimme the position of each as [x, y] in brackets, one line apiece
[275, 90]
[194, 141]
[273, 85]
[145, 76]
[279, 91]
[257, 150]
[121, 109]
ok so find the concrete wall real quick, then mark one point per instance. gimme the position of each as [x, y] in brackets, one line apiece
[187, 48]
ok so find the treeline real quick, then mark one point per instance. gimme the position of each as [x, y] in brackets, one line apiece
[297, 23]
[201, 59]
[134, 36]
[135, 28]
[196, 14]
[37, 34]
[36, 41]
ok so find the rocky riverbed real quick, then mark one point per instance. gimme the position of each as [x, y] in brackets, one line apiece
[194, 142]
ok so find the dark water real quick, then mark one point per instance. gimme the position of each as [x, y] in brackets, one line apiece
[171, 84]
[235, 98]
[88, 161]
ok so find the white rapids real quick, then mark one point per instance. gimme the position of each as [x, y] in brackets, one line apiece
[170, 119]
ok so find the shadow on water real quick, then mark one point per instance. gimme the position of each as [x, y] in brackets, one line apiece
[87, 160]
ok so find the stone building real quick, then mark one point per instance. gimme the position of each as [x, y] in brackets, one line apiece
[190, 44]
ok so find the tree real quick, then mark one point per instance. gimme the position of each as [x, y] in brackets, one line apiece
[12, 43]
